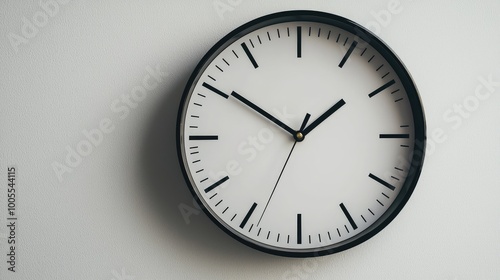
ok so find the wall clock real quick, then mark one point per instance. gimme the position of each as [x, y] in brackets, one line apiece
[301, 134]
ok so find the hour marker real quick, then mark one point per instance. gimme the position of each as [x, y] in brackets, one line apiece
[216, 184]
[348, 216]
[386, 85]
[299, 41]
[215, 90]
[203, 137]
[348, 53]
[391, 187]
[299, 228]
[247, 216]
[394, 135]
[250, 56]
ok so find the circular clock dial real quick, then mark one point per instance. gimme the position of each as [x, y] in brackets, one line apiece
[301, 134]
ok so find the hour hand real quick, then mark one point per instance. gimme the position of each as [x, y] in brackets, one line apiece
[262, 112]
[323, 117]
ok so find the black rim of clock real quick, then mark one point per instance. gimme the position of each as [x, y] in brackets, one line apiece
[406, 80]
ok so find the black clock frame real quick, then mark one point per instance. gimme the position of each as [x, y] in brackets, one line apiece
[412, 93]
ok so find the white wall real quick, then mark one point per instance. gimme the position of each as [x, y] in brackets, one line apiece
[116, 215]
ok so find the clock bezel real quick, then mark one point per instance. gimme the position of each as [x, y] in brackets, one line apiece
[406, 80]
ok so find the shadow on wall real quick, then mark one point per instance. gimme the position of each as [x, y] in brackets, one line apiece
[165, 189]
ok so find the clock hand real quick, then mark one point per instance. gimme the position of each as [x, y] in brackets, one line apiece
[323, 117]
[262, 112]
[304, 122]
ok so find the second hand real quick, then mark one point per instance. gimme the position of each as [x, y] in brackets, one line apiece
[304, 123]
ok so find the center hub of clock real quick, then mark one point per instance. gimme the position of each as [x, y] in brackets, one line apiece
[299, 137]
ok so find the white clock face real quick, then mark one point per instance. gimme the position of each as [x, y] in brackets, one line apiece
[299, 136]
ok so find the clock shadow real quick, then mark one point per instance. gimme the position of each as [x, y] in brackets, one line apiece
[165, 192]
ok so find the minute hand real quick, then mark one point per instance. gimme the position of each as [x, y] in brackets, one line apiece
[263, 113]
[324, 116]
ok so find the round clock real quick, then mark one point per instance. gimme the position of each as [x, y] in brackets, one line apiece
[301, 134]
